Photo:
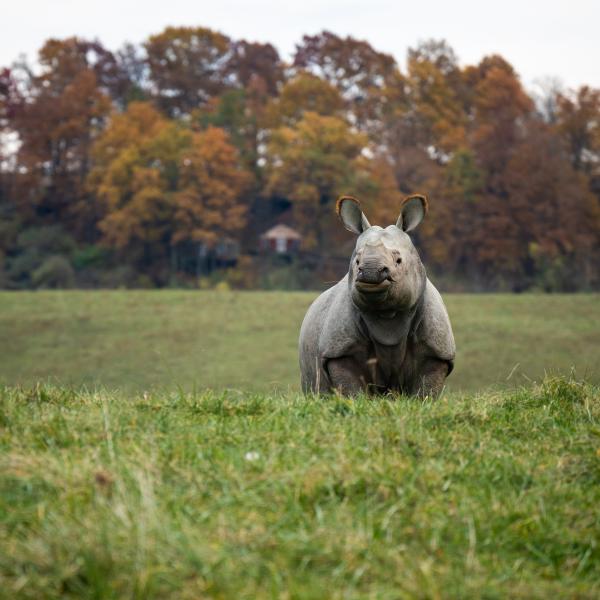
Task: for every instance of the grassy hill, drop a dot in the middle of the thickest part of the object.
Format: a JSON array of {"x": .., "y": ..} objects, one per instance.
[
  {"x": 246, "y": 495},
  {"x": 140, "y": 340}
]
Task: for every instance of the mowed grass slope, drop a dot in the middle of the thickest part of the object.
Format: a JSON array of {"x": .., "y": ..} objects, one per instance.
[
  {"x": 139, "y": 340},
  {"x": 232, "y": 495}
]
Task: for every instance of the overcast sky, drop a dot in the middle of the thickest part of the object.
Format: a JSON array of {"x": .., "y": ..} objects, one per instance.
[{"x": 541, "y": 38}]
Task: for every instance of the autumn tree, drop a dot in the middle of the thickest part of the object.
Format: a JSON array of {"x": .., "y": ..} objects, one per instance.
[
  {"x": 578, "y": 120},
  {"x": 9, "y": 221},
  {"x": 68, "y": 57},
  {"x": 301, "y": 94},
  {"x": 162, "y": 185},
  {"x": 544, "y": 227},
  {"x": 187, "y": 67},
  {"x": 62, "y": 111},
  {"x": 208, "y": 203},
  {"x": 242, "y": 113},
  {"x": 423, "y": 121},
  {"x": 500, "y": 117},
  {"x": 133, "y": 69},
  {"x": 500, "y": 106},
  {"x": 403, "y": 137},
  {"x": 10, "y": 98},
  {"x": 434, "y": 83},
  {"x": 317, "y": 160},
  {"x": 456, "y": 196},
  {"x": 234, "y": 112},
  {"x": 139, "y": 157},
  {"x": 555, "y": 218},
  {"x": 377, "y": 188},
  {"x": 124, "y": 160},
  {"x": 253, "y": 63},
  {"x": 354, "y": 67}
]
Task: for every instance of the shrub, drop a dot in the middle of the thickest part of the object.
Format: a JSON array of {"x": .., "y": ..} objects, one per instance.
[
  {"x": 55, "y": 272},
  {"x": 47, "y": 239},
  {"x": 123, "y": 276},
  {"x": 89, "y": 257}
]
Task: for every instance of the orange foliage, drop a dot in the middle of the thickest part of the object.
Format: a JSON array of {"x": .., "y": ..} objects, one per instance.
[
  {"x": 57, "y": 121},
  {"x": 224, "y": 135},
  {"x": 211, "y": 182},
  {"x": 304, "y": 93},
  {"x": 160, "y": 182}
]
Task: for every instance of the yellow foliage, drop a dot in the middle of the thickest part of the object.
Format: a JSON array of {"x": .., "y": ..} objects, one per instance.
[{"x": 158, "y": 181}]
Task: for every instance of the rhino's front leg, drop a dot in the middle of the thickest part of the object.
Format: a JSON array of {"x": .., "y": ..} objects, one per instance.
[
  {"x": 431, "y": 378},
  {"x": 346, "y": 376}
]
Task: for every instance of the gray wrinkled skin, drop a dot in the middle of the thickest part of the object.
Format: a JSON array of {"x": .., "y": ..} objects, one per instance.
[{"x": 383, "y": 327}]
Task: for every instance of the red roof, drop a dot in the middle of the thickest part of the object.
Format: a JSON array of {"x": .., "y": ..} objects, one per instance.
[{"x": 281, "y": 231}]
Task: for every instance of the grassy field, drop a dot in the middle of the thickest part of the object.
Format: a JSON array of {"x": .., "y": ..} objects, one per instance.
[
  {"x": 124, "y": 475},
  {"x": 143, "y": 340},
  {"x": 242, "y": 495}
]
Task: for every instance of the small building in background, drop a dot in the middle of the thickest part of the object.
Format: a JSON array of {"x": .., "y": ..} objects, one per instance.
[{"x": 280, "y": 239}]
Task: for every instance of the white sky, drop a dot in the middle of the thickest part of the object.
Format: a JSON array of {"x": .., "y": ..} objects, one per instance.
[{"x": 541, "y": 38}]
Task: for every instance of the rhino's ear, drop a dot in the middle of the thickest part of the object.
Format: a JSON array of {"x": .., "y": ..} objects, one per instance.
[
  {"x": 348, "y": 210},
  {"x": 414, "y": 208}
]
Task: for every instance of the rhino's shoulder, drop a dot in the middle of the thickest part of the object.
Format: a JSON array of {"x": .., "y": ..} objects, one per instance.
[
  {"x": 435, "y": 331},
  {"x": 339, "y": 333},
  {"x": 316, "y": 315}
]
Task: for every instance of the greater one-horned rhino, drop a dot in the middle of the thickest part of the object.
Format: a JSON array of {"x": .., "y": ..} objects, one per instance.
[{"x": 384, "y": 326}]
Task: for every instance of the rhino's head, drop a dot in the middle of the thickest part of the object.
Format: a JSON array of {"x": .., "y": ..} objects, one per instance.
[{"x": 386, "y": 272}]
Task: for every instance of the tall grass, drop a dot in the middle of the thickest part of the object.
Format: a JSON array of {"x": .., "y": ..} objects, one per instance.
[{"x": 245, "y": 495}]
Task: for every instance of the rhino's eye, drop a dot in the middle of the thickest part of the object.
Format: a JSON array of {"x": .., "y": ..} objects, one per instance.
[
  {"x": 398, "y": 260},
  {"x": 357, "y": 261}
]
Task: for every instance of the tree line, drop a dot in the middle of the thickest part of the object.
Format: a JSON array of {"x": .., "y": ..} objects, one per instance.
[{"x": 126, "y": 168}]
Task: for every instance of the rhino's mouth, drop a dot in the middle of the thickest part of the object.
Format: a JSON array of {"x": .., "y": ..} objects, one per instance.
[{"x": 365, "y": 286}]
